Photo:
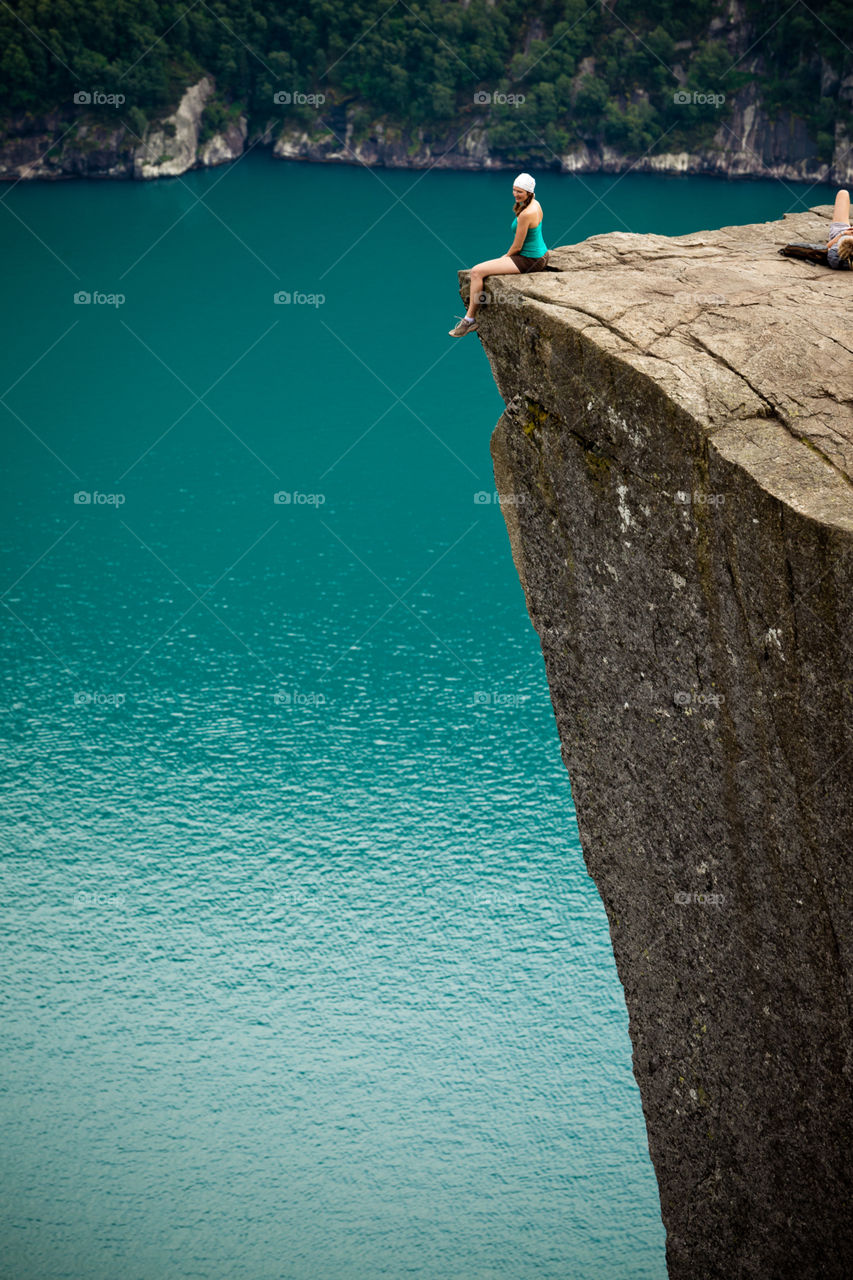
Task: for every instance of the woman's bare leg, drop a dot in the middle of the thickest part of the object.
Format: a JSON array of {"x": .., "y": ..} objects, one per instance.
[
  {"x": 841, "y": 212},
  {"x": 494, "y": 267}
]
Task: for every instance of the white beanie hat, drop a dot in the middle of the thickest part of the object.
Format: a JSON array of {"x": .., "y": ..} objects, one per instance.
[{"x": 525, "y": 181}]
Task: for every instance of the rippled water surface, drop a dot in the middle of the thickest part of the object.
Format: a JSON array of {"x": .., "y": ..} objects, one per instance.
[{"x": 304, "y": 976}]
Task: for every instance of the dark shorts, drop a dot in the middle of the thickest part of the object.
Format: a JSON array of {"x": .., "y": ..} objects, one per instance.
[{"x": 529, "y": 264}]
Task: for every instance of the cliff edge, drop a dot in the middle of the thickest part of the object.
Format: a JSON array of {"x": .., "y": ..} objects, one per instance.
[{"x": 675, "y": 463}]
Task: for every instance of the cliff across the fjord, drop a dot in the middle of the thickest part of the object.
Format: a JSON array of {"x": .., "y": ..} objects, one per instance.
[
  {"x": 84, "y": 143},
  {"x": 675, "y": 464}
]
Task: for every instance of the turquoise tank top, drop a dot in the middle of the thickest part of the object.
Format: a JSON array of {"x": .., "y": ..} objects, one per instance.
[{"x": 534, "y": 244}]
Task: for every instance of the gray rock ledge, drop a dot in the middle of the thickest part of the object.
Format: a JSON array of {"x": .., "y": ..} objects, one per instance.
[{"x": 674, "y": 464}]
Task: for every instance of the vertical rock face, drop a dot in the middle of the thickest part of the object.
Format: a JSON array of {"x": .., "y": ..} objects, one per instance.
[
  {"x": 224, "y": 147},
  {"x": 674, "y": 462},
  {"x": 171, "y": 145}
]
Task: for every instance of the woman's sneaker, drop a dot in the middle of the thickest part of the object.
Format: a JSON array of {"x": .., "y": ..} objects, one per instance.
[{"x": 464, "y": 326}]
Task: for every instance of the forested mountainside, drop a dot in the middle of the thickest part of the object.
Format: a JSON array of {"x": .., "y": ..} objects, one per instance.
[{"x": 639, "y": 76}]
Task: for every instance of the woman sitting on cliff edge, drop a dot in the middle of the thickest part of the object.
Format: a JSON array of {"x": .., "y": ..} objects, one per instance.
[
  {"x": 839, "y": 247},
  {"x": 526, "y": 253}
]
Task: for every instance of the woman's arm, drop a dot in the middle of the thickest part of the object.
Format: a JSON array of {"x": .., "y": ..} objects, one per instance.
[{"x": 524, "y": 220}]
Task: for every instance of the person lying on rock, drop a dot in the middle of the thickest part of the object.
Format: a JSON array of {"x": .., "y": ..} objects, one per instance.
[
  {"x": 526, "y": 253},
  {"x": 839, "y": 246}
]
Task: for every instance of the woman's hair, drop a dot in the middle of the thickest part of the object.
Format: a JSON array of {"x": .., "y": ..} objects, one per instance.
[
  {"x": 845, "y": 248},
  {"x": 522, "y": 204}
]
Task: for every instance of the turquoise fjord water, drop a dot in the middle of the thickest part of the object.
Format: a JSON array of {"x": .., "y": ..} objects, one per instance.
[{"x": 305, "y": 978}]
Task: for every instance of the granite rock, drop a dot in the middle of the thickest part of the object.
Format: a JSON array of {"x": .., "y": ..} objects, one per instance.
[
  {"x": 170, "y": 147},
  {"x": 674, "y": 464}
]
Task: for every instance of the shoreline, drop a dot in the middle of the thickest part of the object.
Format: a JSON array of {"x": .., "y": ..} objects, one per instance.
[
  {"x": 612, "y": 166},
  {"x": 746, "y": 146}
]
